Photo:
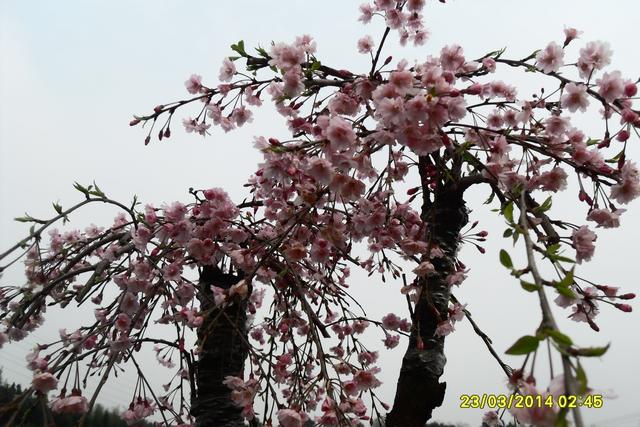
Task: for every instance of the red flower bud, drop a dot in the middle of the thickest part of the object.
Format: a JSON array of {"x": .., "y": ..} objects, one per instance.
[
  {"x": 624, "y": 307},
  {"x": 630, "y": 89},
  {"x": 158, "y": 108},
  {"x": 623, "y": 135},
  {"x": 147, "y": 140},
  {"x": 627, "y": 296}
]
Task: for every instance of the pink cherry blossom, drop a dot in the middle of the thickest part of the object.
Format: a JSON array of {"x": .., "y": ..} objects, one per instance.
[
  {"x": 366, "y": 11},
  {"x": 193, "y": 84},
  {"x": 424, "y": 268},
  {"x": 286, "y": 56},
  {"x": 575, "y": 97},
  {"x": 289, "y": 418},
  {"x": 241, "y": 115},
  {"x": 365, "y": 44},
  {"x": 444, "y": 328},
  {"x": 452, "y": 57},
  {"x": 391, "y": 322},
  {"x": 391, "y": 341},
  {"x": 605, "y": 218},
  {"x": 44, "y": 382},
  {"x": 629, "y": 189},
  {"x": 74, "y": 404},
  {"x": 570, "y": 34},
  {"x": 610, "y": 86},
  {"x": 227, "y": 70},
  {"x": 550, "y": 59},
  {"x": 366, "y": 379},
  {"x": 594, "y": 56},
  {"x": 492, "y": 419},
  {"x": 340, "y": 134},
  {"x": 583, "y": 239}
]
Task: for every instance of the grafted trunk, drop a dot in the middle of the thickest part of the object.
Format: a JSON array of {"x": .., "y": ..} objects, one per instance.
[
  {"x": 222, "y": 337},
  {"x": 419, "y": 389}
]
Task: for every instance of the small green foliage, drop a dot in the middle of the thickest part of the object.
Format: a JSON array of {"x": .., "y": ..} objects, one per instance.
[
  {"x": 557, "y": 336},
  {"x": 524, "y": 345},
  {"x": 529, "y": 287},
  {"x": 590, "y": 351},
  {"x": 239, "y": 48},
  {"x": 505, "y": 259}
]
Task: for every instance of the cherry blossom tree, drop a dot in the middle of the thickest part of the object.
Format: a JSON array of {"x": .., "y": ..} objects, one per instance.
[{"x": 247, "y": 301}]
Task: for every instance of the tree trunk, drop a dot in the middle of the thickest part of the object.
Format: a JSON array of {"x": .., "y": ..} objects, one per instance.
[
  {"x": 222, "y": 338},
  {"x": 419, "y": 390}
]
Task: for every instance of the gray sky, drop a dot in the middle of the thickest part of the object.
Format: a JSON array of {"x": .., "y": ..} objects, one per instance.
[{"x": 73, "y": 73}]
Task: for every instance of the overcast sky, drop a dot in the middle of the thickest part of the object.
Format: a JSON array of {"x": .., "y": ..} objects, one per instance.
[{"x": 73, "y": 73}]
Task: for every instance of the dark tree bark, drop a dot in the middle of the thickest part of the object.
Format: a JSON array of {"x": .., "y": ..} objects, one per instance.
[
  {"x": 222, "y": 338},
  {"x": 419, "y": 390}
]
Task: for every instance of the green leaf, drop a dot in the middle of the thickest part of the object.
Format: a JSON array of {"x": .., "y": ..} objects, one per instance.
[
  {"x": 565, "y": 291},
  {"x": 239, "y": 47},
  {"x": 25, "y": 218},
  {"x": 490, "y": 199},
  {"x": 529, "y": 287},
  {"x": 581, "y": 376},
  {"x": 58, "y": 208},
  {"x": 315, "y": 65},
  {"x": 96, "y": 191},
  {"x": 568, "y": 279},
  {"x": 508, "y": 212},
  {"x": 590, "y": 351},
  {"x": 262, "y": 52},
  {"x": 81, "y": 189},
  {"x": 505, "y": 259},
  {"x": 559, "y": 337},
  {"x": 524, "y": 345},
  {"x": 591, "y": 142},
  {"x": 545, "y": 206},
  {"x": 507, "y": 233}
]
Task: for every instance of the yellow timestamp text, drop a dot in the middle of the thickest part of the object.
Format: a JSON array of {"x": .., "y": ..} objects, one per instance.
[{"x": 503, "y": 401}]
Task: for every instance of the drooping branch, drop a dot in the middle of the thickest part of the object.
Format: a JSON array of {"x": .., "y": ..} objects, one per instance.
[{"x": 548, "y": 321}]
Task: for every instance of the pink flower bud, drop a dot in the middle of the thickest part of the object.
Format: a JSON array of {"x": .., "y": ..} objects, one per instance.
[
  {"x": 158, "y": 108},
  {"x": 474, "y": 89},
  {"x": 629, "y": 116},
  {"x": 627, "y": 296},
  {"x": 134, "y": 122}
]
